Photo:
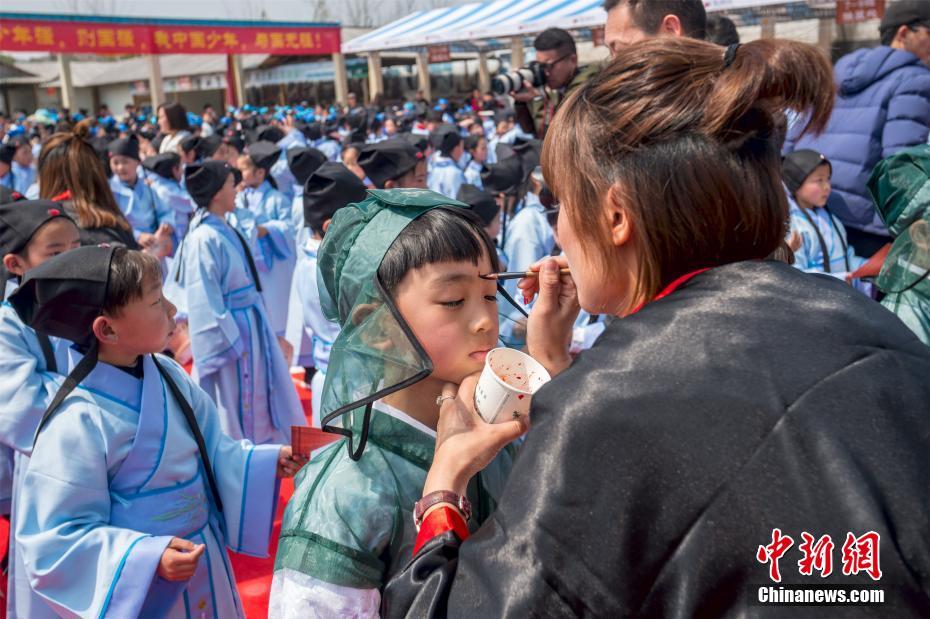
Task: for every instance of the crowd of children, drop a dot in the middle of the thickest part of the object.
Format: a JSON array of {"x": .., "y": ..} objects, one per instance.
[{"x": 345, "y": 247}]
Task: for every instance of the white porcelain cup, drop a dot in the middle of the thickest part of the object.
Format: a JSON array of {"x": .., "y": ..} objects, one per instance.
[{"x": 507, "y": 384}]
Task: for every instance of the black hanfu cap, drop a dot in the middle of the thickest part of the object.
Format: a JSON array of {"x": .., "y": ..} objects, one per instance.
[
  {"x": 303, "y": 162},
  {"x": 204, "y": 180},
  {"x": 388, "y": 160},
  {"x": 192, "y": 143},
  {"x": 19, "y": 221},
  {"x": 267, "y": 133},
  {"x": 125, "y": 147},
  {"x": 445, "y": 138},
  {"x": 481, "y": 202},
  {"x": 505, "y": 176},
  {"x": 328, "y": 189},
  {"x": 7, "y": 152},
  {"x": 264, "y": 154},
  {"x": 234, "y": 138},
  {"x": 8, "y": 195},
  {"x": 209, "y": 145},
  {"x": 418, "y": 141},
  {"x": 798, "y": 165},
  {"x": 65, "y": 294},
  {"x": 162, "y": 164}
]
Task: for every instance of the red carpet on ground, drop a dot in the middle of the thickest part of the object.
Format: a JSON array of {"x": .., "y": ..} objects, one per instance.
[{"x": 253, "y": 575}]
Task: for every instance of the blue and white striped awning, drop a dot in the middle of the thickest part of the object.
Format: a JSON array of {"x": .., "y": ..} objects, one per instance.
[{"x": 478, "y": 22}]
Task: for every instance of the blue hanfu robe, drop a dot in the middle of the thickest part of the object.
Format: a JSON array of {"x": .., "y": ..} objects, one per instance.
[
  {"x": 115, "y": 475},
  {"x": 276, "y": 253},
  {"x": 529, "y": 239},
  {"x": 26, "y": 389},
  {"x": 237, "y": 358},
  {"x": 23, "y": 177},
  {"x": 329, "y": 147},
  {"x": 283, "y": 177},
  {"x": 473, "y": 174},
  {"x": 446, "y": 176},
  {"x": 144, "y": 211},
  {"x": 280, "y": 171},
  {"x": 170, "y": 193},
  {"x": 308, "y": 330},
  {"x": 810, "y": 256}
]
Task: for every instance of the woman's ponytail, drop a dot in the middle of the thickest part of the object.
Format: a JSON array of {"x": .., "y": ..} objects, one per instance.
[{"x": 765, "y": 78}]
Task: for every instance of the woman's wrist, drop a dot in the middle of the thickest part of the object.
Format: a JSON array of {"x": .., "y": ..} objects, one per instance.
[
  {"x": 439, "y": 478},
  {"x": 554, "y": 362}
]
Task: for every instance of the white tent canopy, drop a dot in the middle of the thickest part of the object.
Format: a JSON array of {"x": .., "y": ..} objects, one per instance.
[{"x": 478, "y": 23}]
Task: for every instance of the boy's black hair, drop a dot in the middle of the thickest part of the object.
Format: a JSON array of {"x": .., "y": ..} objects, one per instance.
[
  {"x": 444, "y": 234},
  {"x": 130, "y": 273}
]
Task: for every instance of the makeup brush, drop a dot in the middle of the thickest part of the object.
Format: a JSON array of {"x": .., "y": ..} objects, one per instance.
[{"x": 517, "y": 274}]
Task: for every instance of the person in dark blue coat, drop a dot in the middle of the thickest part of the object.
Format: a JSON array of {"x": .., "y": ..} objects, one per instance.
[{"x": 882, "y": 107}]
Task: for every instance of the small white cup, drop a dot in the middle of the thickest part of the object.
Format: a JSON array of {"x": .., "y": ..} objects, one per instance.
[{"x": 507, "y": 384}]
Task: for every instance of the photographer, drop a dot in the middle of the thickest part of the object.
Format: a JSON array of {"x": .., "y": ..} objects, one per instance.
[{"x": 557, "y": 63}]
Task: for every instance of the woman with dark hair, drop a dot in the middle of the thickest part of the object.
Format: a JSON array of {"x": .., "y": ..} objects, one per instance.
[
  {"x": 70, "y": 172},
  {"x": 736, "y": 408},
  {"x": 172, "y": 122}
]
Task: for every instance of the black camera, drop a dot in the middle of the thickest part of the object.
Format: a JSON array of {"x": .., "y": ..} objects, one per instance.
[{"x": 515, "y": 81}]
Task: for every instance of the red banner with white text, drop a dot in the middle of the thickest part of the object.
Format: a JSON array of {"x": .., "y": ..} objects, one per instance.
[{"x": 75, "y": 37}]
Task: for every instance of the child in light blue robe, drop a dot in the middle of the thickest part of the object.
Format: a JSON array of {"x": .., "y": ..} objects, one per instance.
[
  {"x": 135, "y": 198},
  {"x": 30, "y": 233},
  {"x": 135, "y": 519},
  {"x": 476, "y": 148},
  {"x": 446, "y": 176},
  {"x": 529, "y": 239},
  {"x": 237, "y": 358},
  {"x": 301, "y": 162},
  {"x": 164, "y": 178},
  {"x": 820, "y": 241},
  {"x": 331, "y": 187},
  {"x": 269, "y": 219}
]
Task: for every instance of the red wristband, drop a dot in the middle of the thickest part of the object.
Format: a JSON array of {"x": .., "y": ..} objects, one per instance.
[{"x": 439, "y": 521}]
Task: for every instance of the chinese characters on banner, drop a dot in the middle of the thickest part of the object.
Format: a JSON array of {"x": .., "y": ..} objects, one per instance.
[
  {"x": 856, "y": 11},
  {"x": 126, "y": 38},
  {"x": 858, "y": 554},
  {"x": 439, "y": 53}
]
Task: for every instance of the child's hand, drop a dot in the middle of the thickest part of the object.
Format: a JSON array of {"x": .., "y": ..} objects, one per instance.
[
  {"x": 179, "y": 561},
  {"x": 262, "y": 232},
  {"x": 288, "y": 463},
  {"x": 147, "y": 240}
]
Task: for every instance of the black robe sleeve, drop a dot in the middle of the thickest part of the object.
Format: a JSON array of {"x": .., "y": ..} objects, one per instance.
[{"x": 664, "y": 457}]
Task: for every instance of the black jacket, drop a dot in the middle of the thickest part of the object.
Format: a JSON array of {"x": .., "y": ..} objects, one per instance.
[{"x": 755, "y": 397}]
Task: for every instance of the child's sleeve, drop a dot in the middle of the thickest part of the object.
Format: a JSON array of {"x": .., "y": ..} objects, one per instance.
[
  {"x": 245, "y": 473},
  {"x": 75, "y": 559},
  {"x": 26, "y": 389},
  {"x": 164, "y": 213},
  {"x": 295, "y": 595},
  {"x": 214, "y": 334},
  {"x": 296, "y": 328},
  {"x": 337, "y": 529}
]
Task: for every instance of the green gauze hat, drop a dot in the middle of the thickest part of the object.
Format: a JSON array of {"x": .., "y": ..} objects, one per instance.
[
  {"x": 376, "y": 353},
  {"x": 900, "y": 187}
]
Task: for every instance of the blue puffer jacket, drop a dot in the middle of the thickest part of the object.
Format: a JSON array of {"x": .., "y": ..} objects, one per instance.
[{"x": 882, "y": 106}]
